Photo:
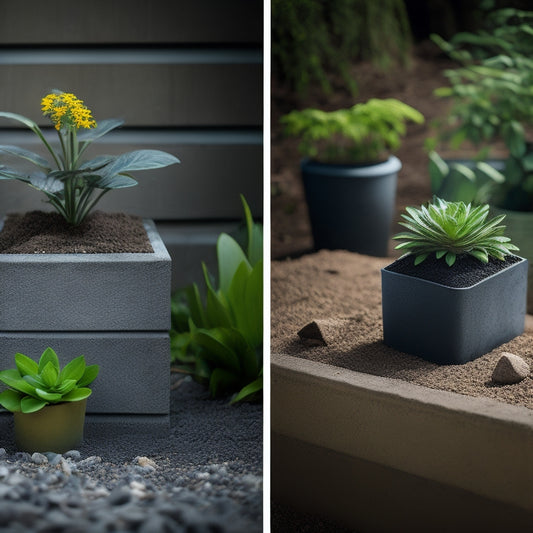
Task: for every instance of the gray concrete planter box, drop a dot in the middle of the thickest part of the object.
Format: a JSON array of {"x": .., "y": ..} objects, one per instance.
[
  {"x": 112, "y": 308},
  {"x": 379, "y": 454},
  {"x": 448, "y": 325}
]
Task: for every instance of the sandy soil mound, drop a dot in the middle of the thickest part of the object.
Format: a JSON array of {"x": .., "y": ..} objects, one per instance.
[{"x": 342, "y": 291}]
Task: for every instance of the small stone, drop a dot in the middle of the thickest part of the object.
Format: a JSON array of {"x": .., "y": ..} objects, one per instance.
[
  {"x": 39, "y": 458},
  {"x": 2, "y": 452},
  {"x": 322, "y": 332},
  {"x": 73, "y": 454},
  {"x": 120, "y": 495},
  {"x": 65, "y": 467},
  {"x": 510, "y": 369},
  {"x": 145, "y": 461}
]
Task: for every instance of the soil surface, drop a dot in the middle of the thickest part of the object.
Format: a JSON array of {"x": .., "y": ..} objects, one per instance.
[
  {"x": 342, "y": 291},
  {"x": 37, "y": 232}
]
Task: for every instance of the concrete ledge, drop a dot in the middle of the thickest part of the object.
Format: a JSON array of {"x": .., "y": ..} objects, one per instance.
[
  {"x": 82, "y": 292},
  {"x": 371, "y": 498},
  {"x": 134, "y": 373},
  {"x": 478, "y": 445}
]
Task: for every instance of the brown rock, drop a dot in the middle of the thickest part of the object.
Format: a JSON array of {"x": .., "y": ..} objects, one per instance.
[
  {"x": 321, "y": 332},
  {"x": 509, "y": 369}
]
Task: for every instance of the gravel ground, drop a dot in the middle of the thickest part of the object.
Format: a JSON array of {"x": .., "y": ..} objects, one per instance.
[{"x": 205, "y": 476}]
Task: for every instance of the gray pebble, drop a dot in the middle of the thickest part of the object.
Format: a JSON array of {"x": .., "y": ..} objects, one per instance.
[
  {"x": 119, "y": 496},
  {"x": 73, "y": 454},
  {"x": 39, "y": 458}
]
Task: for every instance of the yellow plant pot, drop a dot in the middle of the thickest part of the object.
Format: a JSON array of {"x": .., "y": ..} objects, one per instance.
[{"x": 54, "y": 428}]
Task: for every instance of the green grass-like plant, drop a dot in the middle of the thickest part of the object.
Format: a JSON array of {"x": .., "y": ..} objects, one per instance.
[
  {"x": 450, "y": 229},
  {"x": 33, "y": 385},
  {"x": 364, "y": 133},
  {"x": 219, "y": 342}
]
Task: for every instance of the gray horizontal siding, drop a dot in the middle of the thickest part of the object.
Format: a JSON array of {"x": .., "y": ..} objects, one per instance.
[
  {"x": 130, "y": 21},
  {"x": 142, "y": 94}
]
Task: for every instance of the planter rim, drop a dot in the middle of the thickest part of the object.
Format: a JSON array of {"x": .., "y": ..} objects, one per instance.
[
  {"x": 447, "y": 287},
  {"x": 159, "y": 252},
  {"x": 392, "y": 165}
]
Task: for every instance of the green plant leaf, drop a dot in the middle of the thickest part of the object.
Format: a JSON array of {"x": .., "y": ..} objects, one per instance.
[
  {"x": 438, "y": 170},
  {"x": 13, "y": 379},
  {"x": 138, "y": 160},
  {"x": 74, "y": 370},
  {"x": 117, "y": 181},
  {"x": 66, "y": 386},
  {"x": 49, "y": 356},
  {"x": 450, "y": 258},
  {"x": 217, "y": 311},
  {"x": 76, "y": 395},
  {"x": 26, "y": 155},
  {"x": 25, "y": 365},
  {"x": 230, "y": 255},
  {"x": 195, "y": 306},
  {"x": 49, "y": 374},
  {"x": 48, "y": 396},
  {"x": 30, "y": 405},
  {"x": 222, "y": 381},
  {"x": 10, "y": 400},
  {"x": 248, "y": 391},
  {"x": 49, "y": 184},
  {"x": 89, "y": 375},
  {"x": 219, "y": 346},
  {"x": 254, "y": 250}
]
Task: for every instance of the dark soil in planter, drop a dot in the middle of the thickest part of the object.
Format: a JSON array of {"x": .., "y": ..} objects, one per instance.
[
  {"x": 37, "y": 232},
  {"x": 466, "y": 271},
  {"x": 342, "y": 290}
]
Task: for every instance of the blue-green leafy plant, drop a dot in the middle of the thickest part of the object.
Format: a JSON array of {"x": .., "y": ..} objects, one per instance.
[
  {"x": 33, "y": 385},
  {"x": 219, "y": 342},
  {"x": 364, "y": 133},
  {"x": 450, "y": 229},
  {"x": 474, "y": 183},
  {"x": 491, "y": 92},
  {"x": 72, "y": 185}
]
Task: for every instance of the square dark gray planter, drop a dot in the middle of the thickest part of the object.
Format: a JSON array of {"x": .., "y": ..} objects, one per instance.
[
  {"x": 450, "y": 325},
  {"x": 112, "y": 308}
]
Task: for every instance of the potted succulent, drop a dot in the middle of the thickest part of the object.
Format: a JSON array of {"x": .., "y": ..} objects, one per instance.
[
  {"x": 459, "y": 292},
  {"x": 348, "y": 173},
  {"x": 113, "y": 305},
  {"x": 492, "y": 101},
  {"x": 48, "y": 402}
]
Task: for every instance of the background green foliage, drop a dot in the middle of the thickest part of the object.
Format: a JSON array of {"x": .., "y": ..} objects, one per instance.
[
  {"x": 219, "y": 342},
  {"x": 311, "y": 38},
  {"x": 492, "y": 98},
  {"x": 364, "y": 133}
]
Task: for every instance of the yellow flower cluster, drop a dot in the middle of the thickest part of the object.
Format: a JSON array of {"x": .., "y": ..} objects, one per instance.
[{"x": 65, "y": 110}]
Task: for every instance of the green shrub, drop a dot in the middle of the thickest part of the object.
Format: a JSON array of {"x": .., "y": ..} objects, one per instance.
[
  {"x": 364, "y": 133},
  {"x": 449, "y": 229},
  {"x": 311, "y": 39},
  {"x": 219, "y": 342}
]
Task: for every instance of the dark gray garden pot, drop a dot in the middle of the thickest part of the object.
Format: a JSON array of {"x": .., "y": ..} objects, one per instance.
[
  {"x": 112, "y": 308},
  {"x": 351, "y": 207},
  {"x": 447, "y": 325}
]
